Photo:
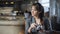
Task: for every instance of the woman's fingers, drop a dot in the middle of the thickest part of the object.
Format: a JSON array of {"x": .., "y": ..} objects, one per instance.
[{"x": 33, "y": 25}]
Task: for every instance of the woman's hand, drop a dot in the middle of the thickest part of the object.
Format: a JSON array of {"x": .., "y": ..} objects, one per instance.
[{"x": 33, "y": 25}]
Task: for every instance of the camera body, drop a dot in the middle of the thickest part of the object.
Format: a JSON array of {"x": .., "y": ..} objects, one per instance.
[{"x": 38, "y": 28}]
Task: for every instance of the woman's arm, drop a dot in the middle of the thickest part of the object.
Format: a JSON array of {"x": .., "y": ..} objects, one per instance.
[
  {"x": 29, "y": 30},
  {"x": 33, "y": 25}
]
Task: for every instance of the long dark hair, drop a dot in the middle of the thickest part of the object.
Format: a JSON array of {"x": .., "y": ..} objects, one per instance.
[{"x": 39, "y": 8}]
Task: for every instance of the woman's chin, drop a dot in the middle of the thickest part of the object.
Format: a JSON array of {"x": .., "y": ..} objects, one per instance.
[{"x": 32, "y": 15}]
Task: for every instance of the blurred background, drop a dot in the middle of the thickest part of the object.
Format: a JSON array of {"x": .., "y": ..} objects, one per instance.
[{"x": 12, "y": 15}]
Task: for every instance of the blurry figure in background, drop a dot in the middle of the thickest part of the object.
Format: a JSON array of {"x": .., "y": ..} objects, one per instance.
[
  {"x": 38, "y": 13},
  {"x": 46, "y": 17},
  {"x": 19, "y": 13},
  {"x": 28, "y": 20},
  {"x": 47, "y": 14}
]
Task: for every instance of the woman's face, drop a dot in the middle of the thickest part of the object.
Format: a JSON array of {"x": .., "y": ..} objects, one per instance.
[{"x": 34, "y": 12}]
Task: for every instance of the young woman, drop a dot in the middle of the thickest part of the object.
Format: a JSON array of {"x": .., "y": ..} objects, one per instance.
[{"x": 38, "y": 13}]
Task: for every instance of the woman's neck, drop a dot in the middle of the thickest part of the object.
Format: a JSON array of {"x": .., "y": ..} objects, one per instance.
[{"x": 38, "y": 21}]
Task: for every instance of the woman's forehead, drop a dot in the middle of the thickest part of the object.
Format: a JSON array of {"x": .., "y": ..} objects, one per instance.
[{"x": 33, "y": 7}]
